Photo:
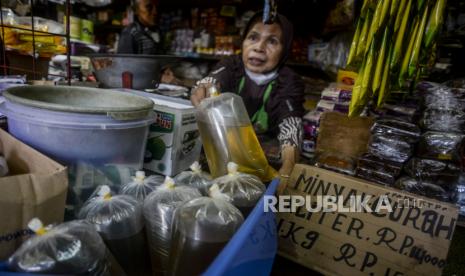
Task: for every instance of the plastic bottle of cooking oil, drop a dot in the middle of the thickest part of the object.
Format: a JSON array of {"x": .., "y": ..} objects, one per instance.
[{"x": 228, "y": 136}]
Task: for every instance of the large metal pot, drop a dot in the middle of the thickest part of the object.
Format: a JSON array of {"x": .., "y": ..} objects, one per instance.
[{"x": 144, "y": 69}]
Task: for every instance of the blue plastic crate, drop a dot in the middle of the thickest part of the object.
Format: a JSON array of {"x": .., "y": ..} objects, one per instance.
[{"x": 251, "y": 251}]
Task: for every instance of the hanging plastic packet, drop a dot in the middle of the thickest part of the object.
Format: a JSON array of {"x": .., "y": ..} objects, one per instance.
[
  {"x": 3, "y": 167},
  {"x": 141, "y": 186},
  {"x": 195, "y": 178},
  {"x": 119, "y": 221},
  {"x": 70, "y": 248},
  {"x": 159, "y": 208},
  {"x": 244, "y": 189},
  {"x": 202, "y": 227}
]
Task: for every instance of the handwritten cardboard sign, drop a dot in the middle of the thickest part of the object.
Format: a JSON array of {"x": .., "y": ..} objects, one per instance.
[{"x": 413, "y": 239}]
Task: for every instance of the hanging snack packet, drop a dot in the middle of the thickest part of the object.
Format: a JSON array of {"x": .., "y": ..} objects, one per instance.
[
  {"x": 70, "y": 248},
  {"x": 195, "y": 178},
  {"x": 159, "y": 208},
  {"x": 244, "y": 189},
  {"x": 141, "y": 186},
  {"x": 202, "y": 227},
  {"x": 119, "y": 221}
]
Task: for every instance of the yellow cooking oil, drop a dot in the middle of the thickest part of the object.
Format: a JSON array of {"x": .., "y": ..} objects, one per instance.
[{"x": 239, "y": 145}]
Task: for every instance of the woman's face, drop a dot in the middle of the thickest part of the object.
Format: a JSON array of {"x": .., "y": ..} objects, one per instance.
[
  {"x": 262, "y": 48},
  {"x": 147, "y": 12}
]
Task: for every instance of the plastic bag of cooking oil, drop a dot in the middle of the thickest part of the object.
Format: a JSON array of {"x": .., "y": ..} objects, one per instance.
[
  {"x": 202, "y": 227},
  {"x": 159, "y": 209},
  {"x": 195, "y": 178},
  {"x": 120, "y": 222},
  {"x": 70, "y": 248},
  {"x": 229, "y": 136},
  {"x": 141, "y": 186},
  {"x": 244, "y": 189}
]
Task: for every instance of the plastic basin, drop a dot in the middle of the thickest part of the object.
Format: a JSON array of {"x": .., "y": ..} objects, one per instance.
[{"x": 99, "y": 134}]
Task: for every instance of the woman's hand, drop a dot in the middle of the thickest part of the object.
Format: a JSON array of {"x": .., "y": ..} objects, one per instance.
[
  {"x": 289, "y": 156},
  {"x": 200, "y": 93}
]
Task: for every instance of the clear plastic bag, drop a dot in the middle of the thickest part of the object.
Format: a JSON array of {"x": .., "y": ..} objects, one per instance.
[
  {"x": 444, "y": 120},
  {"x": 406, "y": 131},
  {"x": 441, "y": 146},
  {"x": 228, "y": 136},
  {"x": 445, "y": 98},
  {"x": 372, "y": 168},
  {"x": 441, "y": 173},
  {"x": 195, "y": 178},
  {"x": 338, "y": 163},
  {"x": 70, "y": 248},
  {"x": 424, "y": 188},
  {"x": 202, "y": 227},
  {"x": 141, "y": 186},
  {"x": 119, "y": 221},
  {"x": 244, "y": 189},
  {"x": 390, "y": 147},
  {"x": 159, "y": 208}
]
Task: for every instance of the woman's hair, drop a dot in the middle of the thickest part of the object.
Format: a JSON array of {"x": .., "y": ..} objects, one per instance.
[{"x": 286, "y": 28}]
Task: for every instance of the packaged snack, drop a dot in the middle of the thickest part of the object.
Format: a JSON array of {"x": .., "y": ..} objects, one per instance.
[
  {"x": 424, "y": 188},
  {"x": 374, "y": 169},
  {"x": 445, "y": 98},
  {"x": 70, "y": 248},
  {"x": 202, "y": 227},
  {"x": 406, "y": 131},
  {"x": 313, "y": 117},
  {"x": 391, "y": 147},
  {"x": 195, "y": 178},
  {"x": 141, "y": 186},
  {"x": 119, "y": 221},
  {"x": 440, "y": 146},
  {"x": 310, "y": 130},
  {"x": 461, "y": 199},
  {"x": 403, "y": 112},
  {"x": 159, "y": 208},
  {"x": 243, "y": 189},
  {"x": 444, "y": 120},
  {"x": 324, "y": 106},
  {"x": 336, "y": 94},
  {"x": 438, "y": 172}
]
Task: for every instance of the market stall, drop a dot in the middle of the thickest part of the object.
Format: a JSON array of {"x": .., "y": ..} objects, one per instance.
[{"x": 232, "y": 137}]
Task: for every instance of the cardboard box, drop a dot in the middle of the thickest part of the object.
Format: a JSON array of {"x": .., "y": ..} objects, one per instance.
[
  {"x": 35, "y": 187},
  {"x": 414, "y": 239},
  {"x": 174, "y": 139}
]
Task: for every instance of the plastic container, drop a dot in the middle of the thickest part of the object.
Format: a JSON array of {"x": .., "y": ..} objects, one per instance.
[
  {"x": 228, "y": 136},
  {"x": 251, "y": 251},
  {"x": 97, "y": 133},
  {"x": 119, "y": 220}
]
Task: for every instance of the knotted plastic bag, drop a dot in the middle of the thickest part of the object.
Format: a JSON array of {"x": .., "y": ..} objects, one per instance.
[
  {"x": 202, "y": 227},
  {"x": 71, "y": 248},
  {"x": 244, "y": 189},
  {"x": 159, "y": 208},
  {"x": 141, "y": 186},
  {"x": 195, "y": 178},
  {"x": 119, "y": 221}
]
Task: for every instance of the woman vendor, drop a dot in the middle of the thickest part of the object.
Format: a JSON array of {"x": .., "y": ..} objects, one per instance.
[{"x": 272, "y": 92}]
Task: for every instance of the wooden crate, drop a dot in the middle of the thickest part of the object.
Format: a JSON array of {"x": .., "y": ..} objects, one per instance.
[{"x": 412, "y": 240}]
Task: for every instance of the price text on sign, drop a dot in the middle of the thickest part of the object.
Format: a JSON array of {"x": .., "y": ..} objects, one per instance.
[{"x": 413, "y": 239}]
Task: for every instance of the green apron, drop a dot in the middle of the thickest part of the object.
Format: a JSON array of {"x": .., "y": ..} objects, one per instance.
[{"x": 260, "y": 118}]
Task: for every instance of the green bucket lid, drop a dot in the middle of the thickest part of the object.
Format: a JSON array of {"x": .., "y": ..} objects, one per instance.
[{"x": 118, "y": 105}]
